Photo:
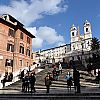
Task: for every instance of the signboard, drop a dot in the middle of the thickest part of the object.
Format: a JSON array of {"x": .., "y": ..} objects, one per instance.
[{"x": 1, "y": 57}]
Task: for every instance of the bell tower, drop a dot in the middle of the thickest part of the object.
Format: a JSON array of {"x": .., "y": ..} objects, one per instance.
[{"x": 74, "y": 37}]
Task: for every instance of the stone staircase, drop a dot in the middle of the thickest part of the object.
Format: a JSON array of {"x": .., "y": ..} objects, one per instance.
[
  {"x": 85, "y": 81},
  {"x": 71, "y": 96},
  {"x": 58, "y": 89},
  {"x": 40, "y": 79}
]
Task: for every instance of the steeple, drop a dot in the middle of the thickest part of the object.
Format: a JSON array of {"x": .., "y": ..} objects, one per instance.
[{"x": 86, "y": 23}]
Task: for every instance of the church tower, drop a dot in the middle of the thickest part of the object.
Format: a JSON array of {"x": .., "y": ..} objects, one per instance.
[
  {"x": 87, "y": 35},
  {"x": 74, "y": 38}
]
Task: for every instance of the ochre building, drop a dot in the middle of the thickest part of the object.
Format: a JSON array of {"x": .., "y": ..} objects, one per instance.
[{"x": 15, "y": 45}]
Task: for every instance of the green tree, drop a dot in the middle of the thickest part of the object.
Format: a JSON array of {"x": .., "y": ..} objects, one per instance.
[{"x": 95, "y": 44}]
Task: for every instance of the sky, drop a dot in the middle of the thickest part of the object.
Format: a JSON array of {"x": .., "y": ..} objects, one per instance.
[{"x": 50, "y": 20}]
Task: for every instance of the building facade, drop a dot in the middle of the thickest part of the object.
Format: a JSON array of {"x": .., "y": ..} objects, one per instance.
[
  {"x": 15, "y": 45},
  {"x": 53, "y": 55},
  {"x": 81, "y": 42}
]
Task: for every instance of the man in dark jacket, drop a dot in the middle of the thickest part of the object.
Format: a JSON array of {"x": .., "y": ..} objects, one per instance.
[
  {"x": 27, "y": 81},
  {"x": 48, "y": 80},
  {"x": 32, "y": 82},
  {"x": 23, "y": 84},
  {"x": 76, "y": 79}
]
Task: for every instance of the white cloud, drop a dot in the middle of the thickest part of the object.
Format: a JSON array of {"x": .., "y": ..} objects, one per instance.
[
  {"x": 36, "y": 9},
  {"x": 37, "y": 42},
  {"x": 29, "y": 11},
  {"x": 49, "y": 35},
  {"x": 46, "y": 34}
]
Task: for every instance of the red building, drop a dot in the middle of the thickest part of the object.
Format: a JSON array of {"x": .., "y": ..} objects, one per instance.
[{"x": 15, "y": 45}]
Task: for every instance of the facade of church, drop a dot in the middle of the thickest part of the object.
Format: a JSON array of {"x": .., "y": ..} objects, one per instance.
[
  {"x": 81, "y": 42},
  {"x": 78, "y": 44}
]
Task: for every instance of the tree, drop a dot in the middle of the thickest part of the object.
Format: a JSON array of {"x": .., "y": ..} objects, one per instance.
[
  {"x": 95, "y": 56},
  {"x": 95, "y": 44}
]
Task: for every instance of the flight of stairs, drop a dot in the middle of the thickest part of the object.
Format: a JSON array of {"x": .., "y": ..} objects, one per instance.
[{"x": 85, "y": 80}]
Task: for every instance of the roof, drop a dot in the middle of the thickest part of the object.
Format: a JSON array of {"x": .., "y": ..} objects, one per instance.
[
  {"x": 55, "y": 47},
  {"x": 13, "y": 19},
  {"x": 15, "y": 27}
]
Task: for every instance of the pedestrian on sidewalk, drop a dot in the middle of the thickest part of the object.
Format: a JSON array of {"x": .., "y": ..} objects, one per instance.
[
  {"x": 32, "y": 82},
  {"x": 69, "y": 81},
  {"x": 48, "y": 81}
]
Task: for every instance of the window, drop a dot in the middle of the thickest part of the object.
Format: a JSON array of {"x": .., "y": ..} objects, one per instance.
[
  {"x": 88, "y": 43},
  {"x": 28, "y": 52},
  {"x": 21, "y": 50},
  {"x": 9, "y": 62},
  {"x": 28, "y": 40},
  {"x": 21, "y": 35},
  {"x": 32, "y": 56},
  {"x": 10, "y": 47},
  {"x": 72, "y": 33},
  {"x": 73, "y": 47},
  {"x": 20, "y": 62},
  {"x": 27, "y": 64},
  {"x": 11, "y": 33},
  {"x": 86, "y": 29}
]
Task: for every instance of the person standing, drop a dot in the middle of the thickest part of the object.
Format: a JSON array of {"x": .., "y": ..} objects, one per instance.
[
  {"x": 60, "y": 68},
  {"x": 76, "y": 79},
  {"x": 21, "y": 74},
  {"x": 69, "y": 80},
  {"x": 3, "y": 81},
  {"x": 27, "y": 81},
  {"x": 32, "y": 82},
  {"x": 47, "y": 82},
  {"x": 54, "y": 72},
  {"x": 23, "y": 84}
]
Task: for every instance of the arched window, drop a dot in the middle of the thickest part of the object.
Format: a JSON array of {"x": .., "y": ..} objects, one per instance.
[
  {"x": 72, "y": 33},
  {"x": 86, "y": 29}
]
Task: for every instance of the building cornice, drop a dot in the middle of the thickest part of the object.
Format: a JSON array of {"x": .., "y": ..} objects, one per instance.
[
  {"x": 55, "y": 47},
  {"x": 16, "y": 27}
]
